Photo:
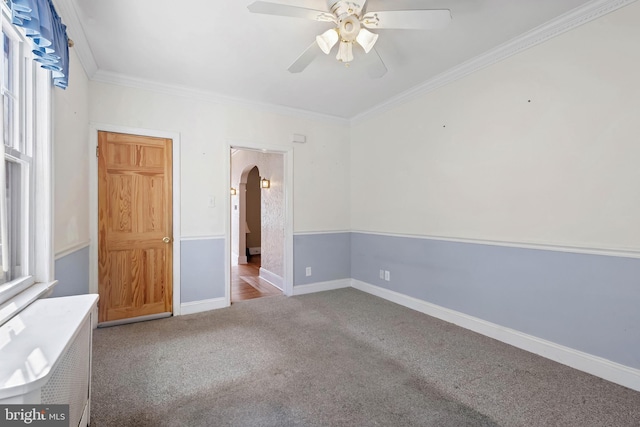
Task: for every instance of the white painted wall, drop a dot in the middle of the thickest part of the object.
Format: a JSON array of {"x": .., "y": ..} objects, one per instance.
[
  {"x": 70, "y": 152},
  {"x": 475, "y": 159},
  {"x": 320, "y": 166}
]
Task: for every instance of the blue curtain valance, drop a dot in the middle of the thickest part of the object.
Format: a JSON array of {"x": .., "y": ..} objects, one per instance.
[{"x": 43, "y": 25}]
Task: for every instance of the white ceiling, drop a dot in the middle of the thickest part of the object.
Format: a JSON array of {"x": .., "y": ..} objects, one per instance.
[{"x": 219, "y": 47}]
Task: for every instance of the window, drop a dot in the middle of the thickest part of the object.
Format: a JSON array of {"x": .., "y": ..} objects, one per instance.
[{"x": 24, "y": 131}]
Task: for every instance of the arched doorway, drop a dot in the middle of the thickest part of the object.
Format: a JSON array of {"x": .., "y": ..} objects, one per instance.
[
  {"x": 247, "y": 195},
  {"x": 253, "y": 217},
  {"x": 257, "y": 225}
]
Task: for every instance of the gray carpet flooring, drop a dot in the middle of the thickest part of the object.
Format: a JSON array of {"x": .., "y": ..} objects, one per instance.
[{"x": 337, "y": 358}]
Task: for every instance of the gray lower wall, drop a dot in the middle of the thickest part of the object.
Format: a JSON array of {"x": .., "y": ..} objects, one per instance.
[
  {"x": 72, "y": 273},
  {"x": 201, "y": 269},
  {"x": 328, "y": 255},
  {"x": 586, "y": 302}
]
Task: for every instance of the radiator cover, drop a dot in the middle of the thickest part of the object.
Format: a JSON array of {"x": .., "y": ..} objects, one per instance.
[{"x": 48, "y": 355}]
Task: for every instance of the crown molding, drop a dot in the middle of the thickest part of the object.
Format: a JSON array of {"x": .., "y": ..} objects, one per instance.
[
  {"x": 67, "y": 10},
  {"x": 570, "y": 20},
  {"x": 207, "y": 96},
  {"x": 70, "y": 18}
]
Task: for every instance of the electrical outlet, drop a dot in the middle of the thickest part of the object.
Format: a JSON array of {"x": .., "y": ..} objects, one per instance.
[
  {"x": 308, "y": 271},
  {"x": 387, "y": 275},
  {"x": 382, "y": 274}
]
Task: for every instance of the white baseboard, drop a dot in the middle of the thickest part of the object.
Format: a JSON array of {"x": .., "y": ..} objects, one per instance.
[
  {"x": 272, "y": 278},
  {"x": 203, "y": 305},
  {"x": 594, "y": 365},
  {"x": 84, "y": 419},
  {"x": 321, "y": 286}
]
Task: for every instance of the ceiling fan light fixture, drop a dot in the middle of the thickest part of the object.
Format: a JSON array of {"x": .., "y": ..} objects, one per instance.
[
  {"x": 327, "y": 40},
  {"x": 345, "y": 52},
  {"x": 352, "y": 22},
  {"x": 349, "y": 28},
  {"x": 366, "y": 39}
]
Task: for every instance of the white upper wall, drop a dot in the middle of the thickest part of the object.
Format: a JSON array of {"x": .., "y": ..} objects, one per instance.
[
  {"x": 70, "y": 156},
  {"x": 321, "y": 202},
  {"x": 475, "y": 159}
]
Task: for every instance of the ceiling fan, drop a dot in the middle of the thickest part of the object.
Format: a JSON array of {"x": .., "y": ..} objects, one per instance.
[{"x": 352, "y": 21}]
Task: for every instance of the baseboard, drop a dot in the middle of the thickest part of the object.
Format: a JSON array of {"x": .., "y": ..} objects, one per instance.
[
  {"x": 203, "y": 305},
  {"x": 594, "y": 365},
  {"x": 272, "y": 278},
  {"x": 321, "y": 286},
  {"x": 84, "y": 419}
]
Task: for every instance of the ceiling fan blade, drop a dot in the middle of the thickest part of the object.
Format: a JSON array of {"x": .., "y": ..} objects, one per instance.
[
  {"x": 377, "y": 69},
  {"x": 362, "y": 4},
  {"x": 305, "y": 59},
  {"x": 269, "y": 8},
  {"x": 407, "y": 19}
]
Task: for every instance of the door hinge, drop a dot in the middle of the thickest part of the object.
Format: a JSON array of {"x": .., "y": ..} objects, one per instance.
[{"x": 97, "y": 150}]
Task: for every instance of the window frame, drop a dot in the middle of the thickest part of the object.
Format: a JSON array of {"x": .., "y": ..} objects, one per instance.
[{"x": 31, "y": 148}]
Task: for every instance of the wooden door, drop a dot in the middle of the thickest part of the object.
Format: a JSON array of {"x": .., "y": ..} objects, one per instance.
[{"x": 135, "y": 254}]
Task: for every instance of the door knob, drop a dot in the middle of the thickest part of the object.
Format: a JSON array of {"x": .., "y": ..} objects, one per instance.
[{"x": 166, "y": 239}]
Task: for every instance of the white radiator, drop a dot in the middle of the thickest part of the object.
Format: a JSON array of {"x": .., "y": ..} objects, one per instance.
[{"x": 48, "y": 355}]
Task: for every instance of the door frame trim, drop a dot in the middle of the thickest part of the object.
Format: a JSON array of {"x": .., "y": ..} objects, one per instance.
[
  {"x": 94, "y": 128},
  {"x": 287, "y": 154}
]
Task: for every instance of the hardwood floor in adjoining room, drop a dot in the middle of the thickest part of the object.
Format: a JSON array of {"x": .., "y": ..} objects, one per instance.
[{"x": 246, "y": 282}]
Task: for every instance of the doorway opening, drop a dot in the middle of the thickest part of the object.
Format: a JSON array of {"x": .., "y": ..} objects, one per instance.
[{"x": 257, "y": 224}]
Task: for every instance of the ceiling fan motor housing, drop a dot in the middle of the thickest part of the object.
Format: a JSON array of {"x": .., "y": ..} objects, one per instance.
[{"x": 342, "y": 9}]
